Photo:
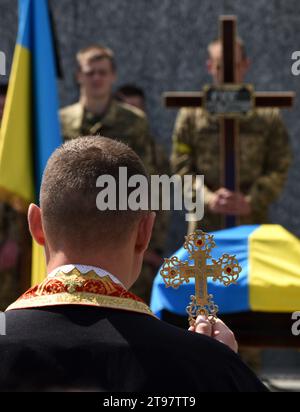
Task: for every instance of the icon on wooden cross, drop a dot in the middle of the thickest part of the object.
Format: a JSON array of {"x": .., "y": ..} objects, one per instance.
[{"x": 175, "y": 272}]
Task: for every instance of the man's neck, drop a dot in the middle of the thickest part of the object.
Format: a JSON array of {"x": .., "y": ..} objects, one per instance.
[
  {"x": 111, "y": 265},
  {"x": 96, "y": 106}
]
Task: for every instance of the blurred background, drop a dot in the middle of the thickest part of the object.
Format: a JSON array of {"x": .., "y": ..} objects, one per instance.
[{"x": 160, "y": 45}]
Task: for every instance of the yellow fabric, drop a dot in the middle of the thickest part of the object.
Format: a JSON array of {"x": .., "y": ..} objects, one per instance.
[
  {"x": 16, "y": 157},
  {"x": 274, "y": 270},
  {"x": 38, "y": 269},
  {"x": 16, "y": 163},
  {"x": 182, "y": 148}
]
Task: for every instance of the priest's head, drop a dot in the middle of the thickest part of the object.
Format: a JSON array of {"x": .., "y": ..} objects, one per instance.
[
  {"x": 214, "y": 61},
  {"x": 70, "y": 225}
]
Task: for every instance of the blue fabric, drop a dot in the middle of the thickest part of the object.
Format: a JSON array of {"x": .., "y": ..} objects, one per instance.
[
  {"x": 34, "y": 15},
  {"x": 47, "y": 128},
  {"x": 231, "y": 299},
  {"x": 24, "y": 32}
]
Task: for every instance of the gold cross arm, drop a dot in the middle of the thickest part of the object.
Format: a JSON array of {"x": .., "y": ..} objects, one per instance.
[{"x": 175, "y": 272}]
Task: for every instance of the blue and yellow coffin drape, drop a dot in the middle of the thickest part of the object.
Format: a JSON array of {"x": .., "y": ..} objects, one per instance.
[
  {"x": 30, "y": 128},
  {"x": 269, "y": 282}
]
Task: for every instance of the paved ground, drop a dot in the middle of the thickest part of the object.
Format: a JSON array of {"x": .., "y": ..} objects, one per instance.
[
  {"x": 281, "y": 369},
  {"x": 283, "y": 384}
]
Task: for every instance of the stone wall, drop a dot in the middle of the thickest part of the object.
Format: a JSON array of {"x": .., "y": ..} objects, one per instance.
[{"x": 161, "y": 45}]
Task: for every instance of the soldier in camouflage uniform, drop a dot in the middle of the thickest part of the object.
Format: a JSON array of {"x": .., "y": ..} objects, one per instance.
[
  {"x": 135, "y": 96},
  {"x": 120, "y": 121},
  {"x": 264, "y": 156},
  {"x": 264, "y": 162},
  {"x": 97, "y": 112}
]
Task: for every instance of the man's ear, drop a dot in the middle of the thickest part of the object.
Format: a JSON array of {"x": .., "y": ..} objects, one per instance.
[
  {"x": 145, "y": 232},
  {"x": 35, "y": 224}
]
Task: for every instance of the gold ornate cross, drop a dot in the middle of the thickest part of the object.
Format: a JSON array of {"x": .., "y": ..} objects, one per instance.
[{"x": 176, "y": 272}]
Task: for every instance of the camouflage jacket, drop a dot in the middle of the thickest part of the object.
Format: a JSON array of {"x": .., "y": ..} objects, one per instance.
[
  {"x": 264, "y": 158},
  {"x": 121, "y": 121}
]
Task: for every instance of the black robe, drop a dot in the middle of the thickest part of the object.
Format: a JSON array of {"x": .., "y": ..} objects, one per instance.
[{"x": 89, "y": 348}]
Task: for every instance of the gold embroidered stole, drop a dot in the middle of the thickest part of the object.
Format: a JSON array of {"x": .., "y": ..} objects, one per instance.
[{"x": 76, "y": 288}]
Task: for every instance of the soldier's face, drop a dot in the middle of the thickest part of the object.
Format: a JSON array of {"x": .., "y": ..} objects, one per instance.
[
  {"x": 97, "y": 78},
  {"x": 2, "y": 103},
  {"x": 214, "y": 64}
]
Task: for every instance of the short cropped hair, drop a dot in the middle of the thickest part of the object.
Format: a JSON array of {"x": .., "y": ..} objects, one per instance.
[
  {"x": 94, "y": 53},
  {"x": 240, "y": 42},
  {"x": 68, "y": 193},
  {"x": 130, "y": 90}
]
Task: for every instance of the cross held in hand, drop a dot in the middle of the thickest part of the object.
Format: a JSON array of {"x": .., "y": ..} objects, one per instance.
[{"x": 175, "y": 272}]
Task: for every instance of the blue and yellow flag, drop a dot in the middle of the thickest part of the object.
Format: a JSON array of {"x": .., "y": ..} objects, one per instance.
[
  {"x": 30, "y": 127},
  {"x": 269, "y": 282}
]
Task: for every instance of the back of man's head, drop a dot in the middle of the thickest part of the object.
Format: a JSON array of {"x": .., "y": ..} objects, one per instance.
[
  {"x": 131, "y": 94},
  {"x": 215, "y": 47},
  {"x": 68, "y": 194},
  {"x": 129, "y": 90}
]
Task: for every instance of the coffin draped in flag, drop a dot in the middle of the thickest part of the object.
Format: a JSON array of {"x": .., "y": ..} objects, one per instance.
[
  {"x": 30, "y": 128},
  {"x": 269, "y": 282}
]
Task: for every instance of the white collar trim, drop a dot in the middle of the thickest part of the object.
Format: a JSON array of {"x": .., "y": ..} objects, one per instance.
[{"x": 84, "y": 269}]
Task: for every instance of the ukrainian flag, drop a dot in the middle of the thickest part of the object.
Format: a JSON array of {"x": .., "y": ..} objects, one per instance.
[
  {"x": 269, "y": 282},
  {"x": 30, "y": 127}
]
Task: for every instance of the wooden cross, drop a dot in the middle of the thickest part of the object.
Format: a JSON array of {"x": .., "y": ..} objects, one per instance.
[
  {"x": 176, "y": 272},
  {"x": 229, "y": 126}
]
